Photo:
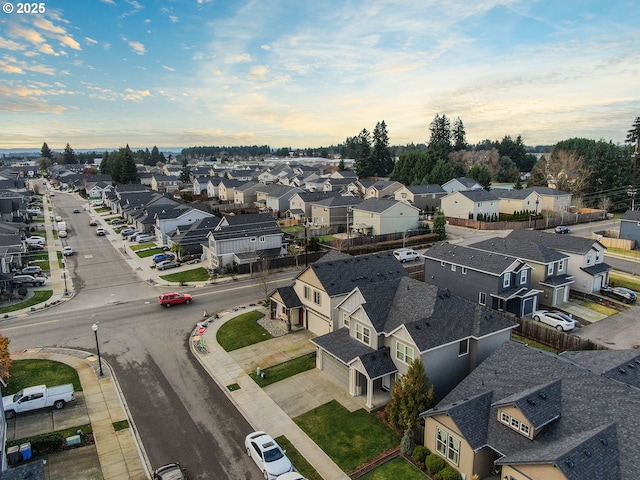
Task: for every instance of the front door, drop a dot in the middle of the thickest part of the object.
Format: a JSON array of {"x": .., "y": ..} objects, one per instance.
[{"x": 386, "y": 383}]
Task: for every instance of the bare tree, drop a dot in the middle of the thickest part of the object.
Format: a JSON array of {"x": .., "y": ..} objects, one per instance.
[
  {"x": 261, "y": 273},
  {"x": 605, "y": 203},
  {"x": 569, "y": 172}
]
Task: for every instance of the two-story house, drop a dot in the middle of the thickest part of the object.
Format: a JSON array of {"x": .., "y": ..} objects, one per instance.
[
  {"x": 498, "y": 281},
  {"x": 461, "y": 184},
  {"x": 275, "y": 198},
  {"x": 300, "y": 203},
  {"x": 524, "y": 414},
  {"x": 378, "y": 216},
  {"x": 226, "y": 189},
  {"x": 474, "y": 204},
  {"x": 630, "y": 227},
  {"x": 550, "y": 272},
  {"x": 333, "y": 211},
  {"x": 425, "y": 197},
  {"x": 382, "y": 189},
  {"x": 384, "y": 326},
  {"x": 523, "y": 200},
  {"x": 246, "y": 193},
  {"x": 164, "y": 183}
]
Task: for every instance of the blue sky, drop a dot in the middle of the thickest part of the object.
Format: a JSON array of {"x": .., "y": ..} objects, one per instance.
[{"x": 105, "y": 73}]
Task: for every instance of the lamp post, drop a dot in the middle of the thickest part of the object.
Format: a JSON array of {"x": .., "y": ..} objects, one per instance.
[
  {"x": 94, "y": 327},
  {"x": 64, "y": 275}
]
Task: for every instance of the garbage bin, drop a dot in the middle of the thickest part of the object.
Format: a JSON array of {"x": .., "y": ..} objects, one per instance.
[
  {"x": 13, "y": 455},
  {"x": 25, "y": 450}
]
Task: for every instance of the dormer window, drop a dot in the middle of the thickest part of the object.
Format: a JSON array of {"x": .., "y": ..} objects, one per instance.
[
  {"x": 523, "y": 277},
  {"x": 515, "y": 424},
  {"x": 506, "y": 280}
]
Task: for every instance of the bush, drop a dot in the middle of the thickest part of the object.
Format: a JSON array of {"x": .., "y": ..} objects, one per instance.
[
  {"x": 420, "y": 453},
  {"x": 449, "y": 473},
  {"x": 22, "y": 291},
  {"x": 406, "y": 444},
  {"x": 434, "y": 463},
  {"x": 47, "y": 444}
]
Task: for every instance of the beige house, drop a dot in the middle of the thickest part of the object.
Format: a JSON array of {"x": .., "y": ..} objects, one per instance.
[
  {"x": 380, "y": 216},
  {"x": 382, "y": 189},
  {"x": 474, "y": 204}
]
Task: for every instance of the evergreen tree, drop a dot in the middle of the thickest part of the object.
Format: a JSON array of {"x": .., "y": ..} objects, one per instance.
[
  {"x": 439, "y": 225},
  {"x": 185, "y": 173},
  {"x": 154, "y": 159},
  {"x": 481, "y": 174},
  {"x": 127, "y": 167},
  {"x": 364, "y": 159},
  {"x": 341, "y": 166},
  {"x": 45, "y": 151},
  {"x": 382, "y": 160},
  {"x": 441, "y": 173},
  {"x": 104, "y": 163},
  {"x": 518, "y": 185},
  {"x": 459, "y": 136},
  {"x": 412, "y": 394},
  {"x": 440, "y": 141},
  {"x": 538, "y": 176},
  {"x": 68, "y": 156},
  {"x": 633, "y": 135}
]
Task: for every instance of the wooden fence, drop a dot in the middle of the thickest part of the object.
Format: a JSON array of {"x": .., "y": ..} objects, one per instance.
[{"x": 560, "y": 341}]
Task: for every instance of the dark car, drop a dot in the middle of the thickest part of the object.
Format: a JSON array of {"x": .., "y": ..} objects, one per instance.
[
  {"x": 35, "y": 247},
  {"x": 563, "y": 229},
  {"x": 76, "y": 210},
  {"x": 118, "y": 221},
  {"x": 619, "y": 293},
  {"x": 162, "y": 257}
]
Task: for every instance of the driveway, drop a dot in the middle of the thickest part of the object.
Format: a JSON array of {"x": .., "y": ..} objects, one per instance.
[{"x": 620, "y": 331}]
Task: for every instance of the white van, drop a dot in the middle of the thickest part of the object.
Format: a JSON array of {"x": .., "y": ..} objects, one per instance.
[{"x": 406, "y": 255}]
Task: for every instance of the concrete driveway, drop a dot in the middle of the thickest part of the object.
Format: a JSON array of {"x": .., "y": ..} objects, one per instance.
[{"x": 619, "y": 332}]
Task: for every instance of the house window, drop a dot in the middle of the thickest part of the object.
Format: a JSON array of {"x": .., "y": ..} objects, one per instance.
[
  {"x": 453, "y": 268},
  {"x": 442, "y": 264},
  {"x": 561, "y": 266},
  {"x": 523, "y": 277},
  {"x": 463, "y": 347},
  {"x": 524, "y": 428},
  {"x": 506, "y": 280},
  {"x": 505, "y": 418},
  {"x": 589, "y": 258},
  {"x": 263, "y": 239},
  {"x": 515, "y": 423},
  {"x": 448, "y": 446},
  {"x": 252, "y": 239},
  {"x": 316, "y": 297},
  {"x": 346, "y": 319},
  {"x": 482, "y": 298},
  {"x": 404, "y": 353},
  {"x": 464, "y": 270},
  {"x": 550, "y": 269},
  {"x": 404, "y": 195},
  {"x": 597, "y": 257},
  {"x": 363, "y": 334},
  {"x": 307, "y": 293}
]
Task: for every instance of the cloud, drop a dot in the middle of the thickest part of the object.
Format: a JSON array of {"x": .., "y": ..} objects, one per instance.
[
  {"x": 173, "y": 18},
  {"x": 265, "y": 47},
  {"x": 47, "y": 26},
  {"x": 137, "y": 47},
  {"x": 109, "y": 2},
  {"x": 10, "y": 45},
  {"x": 135, "y": 95},
  {"x": 170, "y": 69},
  {"x": 28, "y": 34},
  {"x": 69, "y": 42},
  {"x": 90, "y": 41},
  {"x": 258, "y": 72},
  {"x": 240, "y": 58}
]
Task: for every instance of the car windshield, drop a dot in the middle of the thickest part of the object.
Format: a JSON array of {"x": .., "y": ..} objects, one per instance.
[{"x": 273, "y": 455}]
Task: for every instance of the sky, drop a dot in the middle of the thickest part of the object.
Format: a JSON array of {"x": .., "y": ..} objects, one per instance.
[{"x": 297, "y": 73}]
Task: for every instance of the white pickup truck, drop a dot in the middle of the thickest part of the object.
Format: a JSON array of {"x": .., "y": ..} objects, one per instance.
[{"x": 39, "y": 396}]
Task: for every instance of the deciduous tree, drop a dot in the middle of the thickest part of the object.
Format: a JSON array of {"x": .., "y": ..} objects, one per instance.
[{"x": 5, "y": 358}]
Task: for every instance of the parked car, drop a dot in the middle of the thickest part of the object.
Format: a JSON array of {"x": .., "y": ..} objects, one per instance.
[
  {"x": 558, "y": 320},
  {"x": 563, "y": 229},
  {"x": 406, "y": 254},
  {"x": 620, "y": 293},
  {"x": 33, "y": 270},
  {"x": 93, "y": 222},
  {"x": 167, "y": 265},
  {"x": 128, "y": 231},
  {"x": 76, "y": 210},
  {"x": 174, "y": 298},
  {"x": 161, "y": 257},
  {"x": 118, "y": 221},
  {"x": 267, "y": 454},
  {"x": 145, "y": 238},
  {"x": 58, "y": 218},
  {"x": 28, "y": 280},
  {"x": 36, "y": 239},
  {"x": 100, "y": 231},
  {"x": 39, "y": 396},
  {"x": 291, "y": 476},
  {"x": 67, "y": 251},
  {"x": 35, "y": 247},
  {"x": 62, "y": 234},
  {"x": 171, "y": 471}
]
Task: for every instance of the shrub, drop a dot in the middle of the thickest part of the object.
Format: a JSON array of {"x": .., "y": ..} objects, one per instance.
[
  {"x": 449, "y": 473},
  {"x": 434, "y": 463},
  {"x": 47, "y": 444},
  {"x": 420, "y": 453},
  {"x": 407, "y": 444},
  {"x": 22, "y": 291}
]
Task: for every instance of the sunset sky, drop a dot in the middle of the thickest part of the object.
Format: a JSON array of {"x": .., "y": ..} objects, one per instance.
[{"x": 102, "y": 74}]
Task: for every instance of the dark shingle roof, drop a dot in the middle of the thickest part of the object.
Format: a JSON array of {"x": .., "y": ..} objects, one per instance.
[
  {"x": 540, "y": 404},
  {"x": 425, "y": 189},
  {"x": 631, "y": 215},
  {"x": 376, "y": 205},
  {"x": 289, "y": 297},
  {"x": 472, "y": 418},
  {"x": 480, "y": 195},
  {"x": 560, "y": 243},
  {"x": 378, "y": 363},
  {"x": 473, "y": 258},
  {"x": 342, "y": 345},
  {"x": 337, "y": 201},
  {"x": 527, "y": 250}
]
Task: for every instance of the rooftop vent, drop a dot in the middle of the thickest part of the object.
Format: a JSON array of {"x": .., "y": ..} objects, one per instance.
[
  {"x": 631, "y": 365},
  {"x": 622, "y": 370},
  {"x": 587, "y": 452},
  {"x": 542, "y": 395},
  {"x": 570, "y": 463},
  {"x": 604, "y": 442},
  {"x": 531, "y": 401}
]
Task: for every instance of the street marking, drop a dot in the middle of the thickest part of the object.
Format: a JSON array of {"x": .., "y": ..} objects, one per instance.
[{"x": 31, "y": 325}]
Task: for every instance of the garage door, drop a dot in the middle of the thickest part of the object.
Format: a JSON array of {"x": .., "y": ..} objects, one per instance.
[
  {"x": 527, "y": 306},
  {"x": 336, "y": 369},
  {"x": 317, "y": 324}
]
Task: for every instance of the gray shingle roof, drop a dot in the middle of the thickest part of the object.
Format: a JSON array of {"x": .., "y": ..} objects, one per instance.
[
  {"x": 376, "y": 205},
  {"x": 560, "y": 243},
  {"x": 594, "y": 407},
  {"x": 480, "y": 195},
  {"x": 472, "y": 418},
  {"x": 342, "y": 345},
  {"x": 425, "y": 189},
  {"x": 378, "y": 363},
  {"x": 473, "y": 258},
  {"x": 337, "y": 201},
  {"x": 631, "y": 215},
  {"x": 289, "y": 297},
  {"x": 540, "y": 404},
  {"x": 527, "y": 250}
]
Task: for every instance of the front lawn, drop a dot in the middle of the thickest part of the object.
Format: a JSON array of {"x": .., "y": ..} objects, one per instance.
[
  {"x": 27, "y": 373},
  {"x": 597, "y": 307},
  {"x": 39, "y": 296},
  {"x": 285, "y": 370},
  {"x": 149, "y": 253},
  {"x": 141, "y": 246},
  {"x": 298, "y": 461},
  {"x": 397, "y": 467},
  {"x": 349, "y": 438},
  {"x": 241, "y": 331},
  {"x": 199, "y": 274}
]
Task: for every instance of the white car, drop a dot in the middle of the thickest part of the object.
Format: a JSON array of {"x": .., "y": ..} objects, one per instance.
[
  {"x": 558, "y": 320},
  {"x": 62, "y": 234},
  {"x": 35, "y": 239},
  {"x": 268, "y": 455},
  {"x": 291, "y": 476},
  {"x": 67, "y": 251}
]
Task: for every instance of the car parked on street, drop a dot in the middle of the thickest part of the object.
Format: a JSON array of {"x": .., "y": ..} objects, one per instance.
[
  {"x": 558, "y": 320},
  {"x": 167, "y": 265},
  {"x": 406, "y": 254},
  {"x": 267, "y": 454},
  {"x": 162, "y": 257},
  {"x": 171, "y": 471},
  {"x": 563, "y": 229},
  {"x": 67, "y": 251},
  {"x": 125, "y": 232},
  {"x": 62, "y": 234},
  {"x": 174, "y": 298},
  {"x": 35, "y": 247},
  {"x": 76, "y": 210},
  {"x": 619, "y": 293}
]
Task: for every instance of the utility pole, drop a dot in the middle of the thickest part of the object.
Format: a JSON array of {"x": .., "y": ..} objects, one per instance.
[
  {"x": 635, "y": 165},
  {"x": 306, "y": 246}
]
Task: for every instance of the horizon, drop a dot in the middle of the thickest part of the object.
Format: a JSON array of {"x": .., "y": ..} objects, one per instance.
[{"x": 287, "y": 74}]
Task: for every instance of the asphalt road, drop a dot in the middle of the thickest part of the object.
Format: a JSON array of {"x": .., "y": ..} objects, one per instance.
[{"x": 180, "y": 413}]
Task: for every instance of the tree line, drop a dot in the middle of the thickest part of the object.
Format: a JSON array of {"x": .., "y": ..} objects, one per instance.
[{"x": 70, "y": 157}]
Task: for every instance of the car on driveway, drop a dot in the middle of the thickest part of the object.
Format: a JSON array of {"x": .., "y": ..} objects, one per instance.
[
  {"x": 35, "y": 239},
  {"x": 28, "y": 280},
  {"x": 35, "y": 247},
  {"x": 128, "y": 231},
  {"x": 33, "y": 270},
  {"x": 67, "y": 251},
  {"x": 145, "y": 238},
  {"x": 162, "y": 257},
  {"x": 558, "y": 320},
  {"x": 563, "y": 229},
  {"x": 619, "y": 293},
  {"x": 118, "y": 221},
  {"x": 267, "y": 454},
  {"x": 174, "y": 298},
  {"x": 167, "y": 264},
  {"x": 171, "y": 471}
]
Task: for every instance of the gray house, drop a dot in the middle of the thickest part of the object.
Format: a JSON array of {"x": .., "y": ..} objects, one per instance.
[{"x": 630, "y": 227}]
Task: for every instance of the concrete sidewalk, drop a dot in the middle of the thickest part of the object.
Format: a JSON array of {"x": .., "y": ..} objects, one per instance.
[{"x": 260, "y": 410}]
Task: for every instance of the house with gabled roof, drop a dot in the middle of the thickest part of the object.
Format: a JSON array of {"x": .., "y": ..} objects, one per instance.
[
  {"x": 497, "y": 281},
  {"x": 333, "y": 211},
  {"x": 531, "y": 415},
  {"x": 166, "y": 220},
  {"x": 523, "y": 200},
  {"x": 552, "y": 199},
  {"x": 192, "y": 236},
  {"x": 226, "y": 189},
  {"x": 381, "y": 189},
  {"x": 384, "y": 326},
  {"x": 164, "y": 183},
  {"x": 461, "y": 184},
  {"x": 300, "y": 203},
  {"x": 630, "y": 227},
  {"x": 476, "y": 204},
  {"x": 200, "y": 185},
  {"x": 425, "y": 197},
  {"x": 378, "y": 216},
  {"x": 275, "y": 198},
  {"x": 550, "y": 272},
  {"x": 213, "y": 185},
  {"x": 246, "y": 193}
]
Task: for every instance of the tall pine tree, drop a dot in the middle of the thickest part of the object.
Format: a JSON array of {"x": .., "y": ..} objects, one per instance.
[
  {"x": 382, "y": 160},
  {"x": 364, "y": 159}
]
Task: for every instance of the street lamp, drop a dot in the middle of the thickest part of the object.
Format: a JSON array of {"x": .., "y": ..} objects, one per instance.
[
  {"x": 64, "y": 275},
  {"x": 94, "y": 327}
]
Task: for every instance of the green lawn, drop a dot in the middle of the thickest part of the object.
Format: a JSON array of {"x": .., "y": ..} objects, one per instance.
[
  {"x": 199, "y": 274},
  {"x": 38, "y": 297},
  {"x": 149, "y": 253},
  {"x": 140, "y": 246},
  {"x": 26, "y": 373},
  {"x": 299, "y": 462},
  {"x": 349, "y": 438},
  {"x": 622, "y": 281},
  {"x": 597, "y": 307},
  {"x": 241, "y": 331},
  {"x": 398, "y": 467},
  {"x": 285, "y": 370}
]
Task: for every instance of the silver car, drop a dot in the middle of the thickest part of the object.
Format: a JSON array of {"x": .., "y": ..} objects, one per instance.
[{"x": 558, "y": 320}]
